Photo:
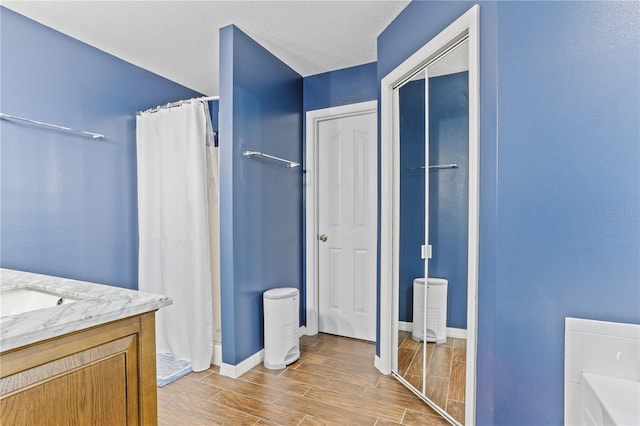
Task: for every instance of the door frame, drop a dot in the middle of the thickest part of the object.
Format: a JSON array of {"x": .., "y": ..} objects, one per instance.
[
  {"x": 313, "y": 120},
  {"x": 467, "y": 24}
]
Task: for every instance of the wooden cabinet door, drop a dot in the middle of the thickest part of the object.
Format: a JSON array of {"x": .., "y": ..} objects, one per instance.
[{"x": 94, "y": 377}]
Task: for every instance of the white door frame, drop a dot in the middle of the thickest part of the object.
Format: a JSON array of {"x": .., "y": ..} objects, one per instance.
[
  {"x": 314, "y": 118},
  {"x": 390, "y": 196}
]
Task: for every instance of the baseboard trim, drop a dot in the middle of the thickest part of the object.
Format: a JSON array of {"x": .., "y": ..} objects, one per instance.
[
  {"x": 405, "y": 326},
  {"x": 458, "y": 333},
  {"x": 235, "y": 371},
  {"x": 216, "y": 354}
]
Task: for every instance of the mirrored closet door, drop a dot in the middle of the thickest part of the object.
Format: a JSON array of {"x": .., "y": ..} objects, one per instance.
[{"x": 432, "y": 124}]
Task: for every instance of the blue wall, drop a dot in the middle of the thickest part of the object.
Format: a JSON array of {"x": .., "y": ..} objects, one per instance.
[
  {"x": 341, "y": 87},
  {"x": 448, "y": 190},
  {"x": 569, "y": 103},
  {"x": 214, "y": 109},
  {"x": 261, "y": 200},
  {"x": 69, "y": 203},
  {"x": 559, "y": 210}
]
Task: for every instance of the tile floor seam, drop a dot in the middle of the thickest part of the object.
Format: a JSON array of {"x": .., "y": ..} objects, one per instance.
[
  {"x": 403, "y": 416},
  {"x": 343, "y": 408}
]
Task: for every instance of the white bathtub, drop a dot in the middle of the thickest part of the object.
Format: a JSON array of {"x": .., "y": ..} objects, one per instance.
[
  {"x": 609, "y": 400},
  {"x": 14, "y": 302}
]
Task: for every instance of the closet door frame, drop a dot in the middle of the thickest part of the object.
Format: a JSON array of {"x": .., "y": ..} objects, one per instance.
[{"x": 466, "y": 25}]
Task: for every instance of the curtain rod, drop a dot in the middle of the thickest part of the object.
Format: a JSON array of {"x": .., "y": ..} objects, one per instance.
[
  {"x": 51, "y": 126},
  {"x": 178, "y": 103}
]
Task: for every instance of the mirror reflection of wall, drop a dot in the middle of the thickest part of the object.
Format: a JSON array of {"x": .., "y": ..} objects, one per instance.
[
  {"x": 448, "y": 228},
  {"x": 412, "y": 137}
]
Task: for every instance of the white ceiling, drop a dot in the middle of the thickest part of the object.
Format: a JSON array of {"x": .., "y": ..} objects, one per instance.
[{"x": 179, "y": 39}]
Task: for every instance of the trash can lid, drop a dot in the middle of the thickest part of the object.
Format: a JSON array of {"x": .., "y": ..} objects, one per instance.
[
  {"x": 432, "y": 281},
  {"x": 280, "y": 293},
  {"x": 437, "y": 281}
]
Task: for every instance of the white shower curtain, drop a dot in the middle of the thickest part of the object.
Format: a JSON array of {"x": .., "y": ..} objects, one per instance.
[
  {"x": 213, "y": 186},
  {"x": 174, "y": 251}
]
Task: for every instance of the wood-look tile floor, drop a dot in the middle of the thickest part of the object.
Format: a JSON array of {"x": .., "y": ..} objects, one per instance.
[
  {"x": 446, "y": 370},
  {"x": 333, "y": 383}
]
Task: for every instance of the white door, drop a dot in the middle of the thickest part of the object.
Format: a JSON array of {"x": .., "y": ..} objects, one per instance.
[{"x": 347, "y": 224}]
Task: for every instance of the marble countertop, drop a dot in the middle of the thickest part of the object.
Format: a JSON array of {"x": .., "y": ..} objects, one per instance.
[{"x": 98, "y": 304}]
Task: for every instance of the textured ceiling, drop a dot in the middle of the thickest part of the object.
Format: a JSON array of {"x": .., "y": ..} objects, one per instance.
[{"x": 179, "y": 39}]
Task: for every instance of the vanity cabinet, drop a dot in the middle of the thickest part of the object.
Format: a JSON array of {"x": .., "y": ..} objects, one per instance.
[{"x": 103, "y": 375}]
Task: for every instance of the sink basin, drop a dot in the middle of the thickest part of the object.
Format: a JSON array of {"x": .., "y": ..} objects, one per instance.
[
  {"x": 609, "y": 400},
  {"x": 14, "y": 302}
]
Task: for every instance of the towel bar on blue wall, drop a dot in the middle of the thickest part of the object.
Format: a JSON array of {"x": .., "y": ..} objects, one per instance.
[
  {"x": 436, "y": 167},
  {"x": 52, "y": 126},
  {"x": 290, "y": 164}
]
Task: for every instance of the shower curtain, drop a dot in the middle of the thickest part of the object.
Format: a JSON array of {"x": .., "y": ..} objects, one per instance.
[
  {"x": 213, "y": 187},
  {"x": 173, "y": 221}
]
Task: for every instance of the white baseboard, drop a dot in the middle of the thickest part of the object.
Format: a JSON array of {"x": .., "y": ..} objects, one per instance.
[
  {"x": 405, "y": 326},
  {"x": 235, "y": 371},
  {"x": 238, "y": 370},
  {"x": 458, "y": 333},
  {"x": 216, "y": 353}
]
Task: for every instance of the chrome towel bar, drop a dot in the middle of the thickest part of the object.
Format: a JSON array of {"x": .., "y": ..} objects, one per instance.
[
  {"x": 290, "y": 164},
  {"x": 436, "y": 167},
  {"x": 52, "y": 126}
]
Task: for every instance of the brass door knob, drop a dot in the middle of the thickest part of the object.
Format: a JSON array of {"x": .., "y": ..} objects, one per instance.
[{"x": 323, "y": 237}]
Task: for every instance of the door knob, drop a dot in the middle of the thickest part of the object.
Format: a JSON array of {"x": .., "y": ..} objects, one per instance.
[{"x": 323, "y": 237}]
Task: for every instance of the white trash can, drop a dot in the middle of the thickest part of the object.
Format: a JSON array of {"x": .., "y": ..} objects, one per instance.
[
  {"x": 281, "y": 341},
  {"x": 436, "y": 310}
]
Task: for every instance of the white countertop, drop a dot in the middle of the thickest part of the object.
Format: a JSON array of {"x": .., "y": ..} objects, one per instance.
[{"x": 99, "y": 304}]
